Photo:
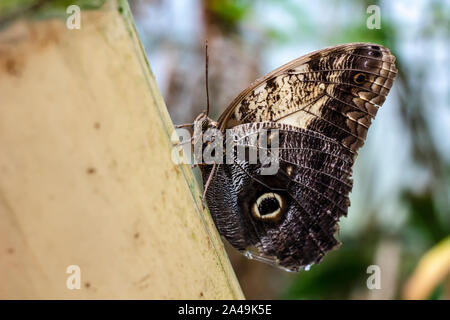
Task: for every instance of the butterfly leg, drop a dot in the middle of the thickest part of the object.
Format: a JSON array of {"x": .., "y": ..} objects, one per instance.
[
  {"x": 211, "y": 175},
  {"x": 182, "y": 143},
  {"x": 183, "y": 125}
]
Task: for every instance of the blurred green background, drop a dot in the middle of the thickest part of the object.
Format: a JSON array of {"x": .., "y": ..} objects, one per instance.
[{"x": 401, "y": 196}]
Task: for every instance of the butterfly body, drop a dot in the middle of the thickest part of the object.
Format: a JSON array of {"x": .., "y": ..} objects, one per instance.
[{"x": 319, "y": 108}]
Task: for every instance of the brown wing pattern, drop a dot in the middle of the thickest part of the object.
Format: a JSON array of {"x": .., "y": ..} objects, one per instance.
[
  {"x": 314, "y": 179},
  {"x": 335, "y": 91}
]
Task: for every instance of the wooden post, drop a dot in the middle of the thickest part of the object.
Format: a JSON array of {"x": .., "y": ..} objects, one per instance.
[{"x": 86, "y": 176}]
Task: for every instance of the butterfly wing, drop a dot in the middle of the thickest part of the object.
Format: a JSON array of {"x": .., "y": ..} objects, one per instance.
[
  {"x": 335, "y": 91},
  {"x": 322, "y": 105},
  {"x": 312, "y": 186}
]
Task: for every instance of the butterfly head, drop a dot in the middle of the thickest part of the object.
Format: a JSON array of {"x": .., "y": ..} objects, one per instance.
[{"x": 201, "y": 124}]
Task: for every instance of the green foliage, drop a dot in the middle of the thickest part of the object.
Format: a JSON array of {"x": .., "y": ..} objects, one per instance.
[
  {"x": 424, "y": 219},
  {"x": 358, "y": 32},
  {"x": 10, "y": 6},
  {"x": 336, "y": 276},
  {"x": 229, "y": 12},
  {"x": 58, "y": 7},
  {"x": 42, "y": 9}
]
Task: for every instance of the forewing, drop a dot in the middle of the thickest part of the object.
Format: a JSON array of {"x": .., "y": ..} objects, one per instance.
[{"x": 335, "y": 91}]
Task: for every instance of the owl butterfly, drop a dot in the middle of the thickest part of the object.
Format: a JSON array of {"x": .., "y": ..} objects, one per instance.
[{"x": 320, "y": 106}]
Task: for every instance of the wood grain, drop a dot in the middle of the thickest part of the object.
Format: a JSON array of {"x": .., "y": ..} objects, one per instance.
[{"x": 86, "y": 176}]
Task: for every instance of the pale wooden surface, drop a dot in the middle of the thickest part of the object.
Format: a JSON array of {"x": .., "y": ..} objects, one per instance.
[{"x": 86, "y": 176}]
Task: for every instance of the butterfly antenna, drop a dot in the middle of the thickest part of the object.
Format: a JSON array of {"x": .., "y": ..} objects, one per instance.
[{"x": 206, "y": 75}]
